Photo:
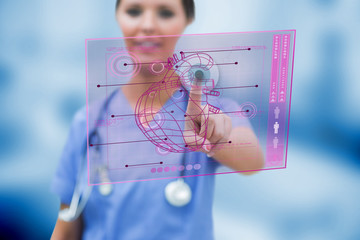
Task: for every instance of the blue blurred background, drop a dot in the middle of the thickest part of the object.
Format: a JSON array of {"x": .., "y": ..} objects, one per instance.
[{"x": 42, "y": 84}]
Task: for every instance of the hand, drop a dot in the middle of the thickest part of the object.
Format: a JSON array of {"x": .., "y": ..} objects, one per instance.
[{"x": 204, "y": 130}]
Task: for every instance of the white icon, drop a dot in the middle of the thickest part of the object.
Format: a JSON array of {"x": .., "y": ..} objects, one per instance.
[
  {"x": 277, "y": 112},
  {"x": 275, "y": 142},
  {"x": 276, "y": 128}
]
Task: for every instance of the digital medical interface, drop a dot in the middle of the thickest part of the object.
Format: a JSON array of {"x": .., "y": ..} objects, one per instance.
[{"x": 247, "y": 76}]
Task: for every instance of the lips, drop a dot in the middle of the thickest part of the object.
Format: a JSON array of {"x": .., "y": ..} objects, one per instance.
[{"x": 147, "y": 45}]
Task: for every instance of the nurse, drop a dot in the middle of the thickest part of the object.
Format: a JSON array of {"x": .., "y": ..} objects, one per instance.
[{"x": 140, "y": 210}]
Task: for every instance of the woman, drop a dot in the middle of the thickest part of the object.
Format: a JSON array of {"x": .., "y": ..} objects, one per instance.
[{"x": 139, "y": 210}]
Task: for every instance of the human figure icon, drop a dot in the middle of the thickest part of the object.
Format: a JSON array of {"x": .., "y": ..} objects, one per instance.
[
  {"x": 275, "y": 142},
  {"x": 277, "y": 112},
  {"x": 276, "y": 128}
]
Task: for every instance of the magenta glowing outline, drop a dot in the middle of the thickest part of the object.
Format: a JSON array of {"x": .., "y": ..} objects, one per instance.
[{"x": 162, "y": 137}]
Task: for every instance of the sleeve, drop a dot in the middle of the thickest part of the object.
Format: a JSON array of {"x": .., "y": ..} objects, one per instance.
[
  {"x": 64, "y": 181},
  {"x": 232, "y": 109}
]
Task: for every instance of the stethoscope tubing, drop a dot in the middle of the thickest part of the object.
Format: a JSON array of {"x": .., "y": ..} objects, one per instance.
[{"x": 79, "y": 200}]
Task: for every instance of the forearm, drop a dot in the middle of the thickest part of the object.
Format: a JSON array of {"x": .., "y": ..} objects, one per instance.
[
  {"x": 67, "y": 230},
  {"x": 243, "y": 153}
]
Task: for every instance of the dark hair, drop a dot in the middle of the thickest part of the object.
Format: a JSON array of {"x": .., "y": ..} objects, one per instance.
[{"x": 189, "y": 8}]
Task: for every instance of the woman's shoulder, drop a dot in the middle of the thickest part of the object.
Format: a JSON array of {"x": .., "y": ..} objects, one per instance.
[
  {"x": 80, "y": 115},
  {"x": 89, "y": 111}
]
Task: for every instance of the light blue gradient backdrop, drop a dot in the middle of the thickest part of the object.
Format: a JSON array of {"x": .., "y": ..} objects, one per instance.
[{"x": 42, "y": 83}]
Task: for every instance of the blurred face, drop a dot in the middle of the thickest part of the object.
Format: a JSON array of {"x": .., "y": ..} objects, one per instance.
[{"x": 143, "y": 18}]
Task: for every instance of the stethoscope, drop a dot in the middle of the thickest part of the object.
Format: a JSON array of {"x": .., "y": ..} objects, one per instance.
[{"x": 177, "y": 193}]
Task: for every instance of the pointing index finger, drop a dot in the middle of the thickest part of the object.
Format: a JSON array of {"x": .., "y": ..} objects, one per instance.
[{"x": 195, "y": 93}]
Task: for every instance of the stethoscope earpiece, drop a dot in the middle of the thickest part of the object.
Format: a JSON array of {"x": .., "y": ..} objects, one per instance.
[{"x": 106, "y": 187}]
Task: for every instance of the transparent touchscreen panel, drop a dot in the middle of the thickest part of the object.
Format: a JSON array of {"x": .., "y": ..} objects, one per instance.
[{"x": 153, "y": 104}]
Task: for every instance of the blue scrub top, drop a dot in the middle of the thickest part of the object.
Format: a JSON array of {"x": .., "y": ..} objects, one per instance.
[{"x": 139, "y": 210}]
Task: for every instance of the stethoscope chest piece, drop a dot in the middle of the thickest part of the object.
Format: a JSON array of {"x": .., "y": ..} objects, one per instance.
[{"x": 178, "y": 193}]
